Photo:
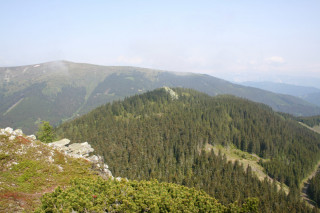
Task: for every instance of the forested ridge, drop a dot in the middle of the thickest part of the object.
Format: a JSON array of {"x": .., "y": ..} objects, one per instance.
[
  {"x": 60, "y": 90},
  {"x": 156, "y": 136}
]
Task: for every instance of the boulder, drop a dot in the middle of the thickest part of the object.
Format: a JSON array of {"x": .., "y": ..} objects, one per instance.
[
  {"x": 17, "y": 132},
  {"x": 83, "y": 150},
  {"x": 8, "y": 131},
  {"x": 32, "y": 137},
  {"x": 60, "y": 144},
  {"x": 75, "y": 150},
  {"x": 172, "y": 93}
]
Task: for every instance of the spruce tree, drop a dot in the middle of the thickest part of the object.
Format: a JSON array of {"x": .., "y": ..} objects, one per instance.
[{"x": 45, "y": 132}]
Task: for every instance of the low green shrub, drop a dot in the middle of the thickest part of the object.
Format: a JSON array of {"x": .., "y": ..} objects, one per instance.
[{"x": 97, "y": 195}]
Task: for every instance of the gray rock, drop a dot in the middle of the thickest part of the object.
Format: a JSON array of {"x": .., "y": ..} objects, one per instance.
[
  {"x": 17, "y": 132},
  {"x": 83, "y": 150},
  {"x": 172, "y": 93},
  {"x": 60, "y": 144},
  {"x": 12, "y": 137},
  {"x": 75, "y": 150},
  {"x": 32, "y": 137},
  {"x": 8, "y": 131},
  {"x": 95, "y": 159},
  {"x": 12, "y": 134}
]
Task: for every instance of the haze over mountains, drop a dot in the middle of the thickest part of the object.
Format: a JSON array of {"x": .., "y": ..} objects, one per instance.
[
  {"x": 145, "y": 107},
  {"x": 60, "y": 90},
  {"x": 310, "y": 94}
]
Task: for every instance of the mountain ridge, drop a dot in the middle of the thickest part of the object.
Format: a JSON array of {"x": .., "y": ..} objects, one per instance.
[
  {"x": 310, "y": 94},
  {"x": 62, "y": 90}
]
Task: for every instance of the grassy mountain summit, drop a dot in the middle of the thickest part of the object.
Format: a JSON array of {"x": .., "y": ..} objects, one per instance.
[
  {"x": 57, "y": 91},
  {"x": 165, "y": 134}
]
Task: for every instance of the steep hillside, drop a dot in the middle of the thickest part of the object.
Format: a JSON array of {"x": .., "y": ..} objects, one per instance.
[
  {"x": 164, "y": 134},
  {"x": 30, "y": 168},
  {"x": 58, "y": 178},
  {"x": 57, "y": 91}
]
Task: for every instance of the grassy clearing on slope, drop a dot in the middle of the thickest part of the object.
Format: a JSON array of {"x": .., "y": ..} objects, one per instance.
[
  {"x": 29, "y": 169},
  {"x": 246, "y": 159},
  {"x": 305, "y": 184},
  {"x": 316, "y": 129}
]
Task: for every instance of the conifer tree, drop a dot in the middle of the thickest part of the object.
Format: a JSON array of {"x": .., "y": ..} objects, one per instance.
[{"x": 45, "y": 132}]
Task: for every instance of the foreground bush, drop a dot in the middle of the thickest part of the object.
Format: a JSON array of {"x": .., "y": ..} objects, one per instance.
[{"x": 89, "y": 195}]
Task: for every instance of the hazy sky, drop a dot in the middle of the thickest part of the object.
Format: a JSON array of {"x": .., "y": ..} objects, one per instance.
[{"x": 237, "y": 40}]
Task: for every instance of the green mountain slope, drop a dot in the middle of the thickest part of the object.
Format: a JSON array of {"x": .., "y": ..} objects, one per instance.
[
  {"x": 155, "y": 135},
  {"x": 57, "y": 91},
  {"x": 36, "y": 177}
]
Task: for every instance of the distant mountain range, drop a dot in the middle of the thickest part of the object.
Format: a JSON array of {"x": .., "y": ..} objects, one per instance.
[
  {"x": 310, "y": 94},
  {"x": 61, "y": 90}
]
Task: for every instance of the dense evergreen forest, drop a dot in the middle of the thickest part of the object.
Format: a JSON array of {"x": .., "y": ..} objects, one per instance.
[
  {"x": 155, "y": 135},
  {"x": 314, "y": 189}
]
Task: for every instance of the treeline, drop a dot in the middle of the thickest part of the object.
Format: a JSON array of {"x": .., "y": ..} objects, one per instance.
[
  {"x": 154, "y": 136},
  {"x": 314, "y": 189}
]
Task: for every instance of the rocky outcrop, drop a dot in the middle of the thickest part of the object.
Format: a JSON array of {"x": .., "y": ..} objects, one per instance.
[
  {"x": 12, "y": 134},
  {"x": 173, "y": 94},
  {"x": 83, "y": 150},
  {"x": 75, "y": 150}
]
